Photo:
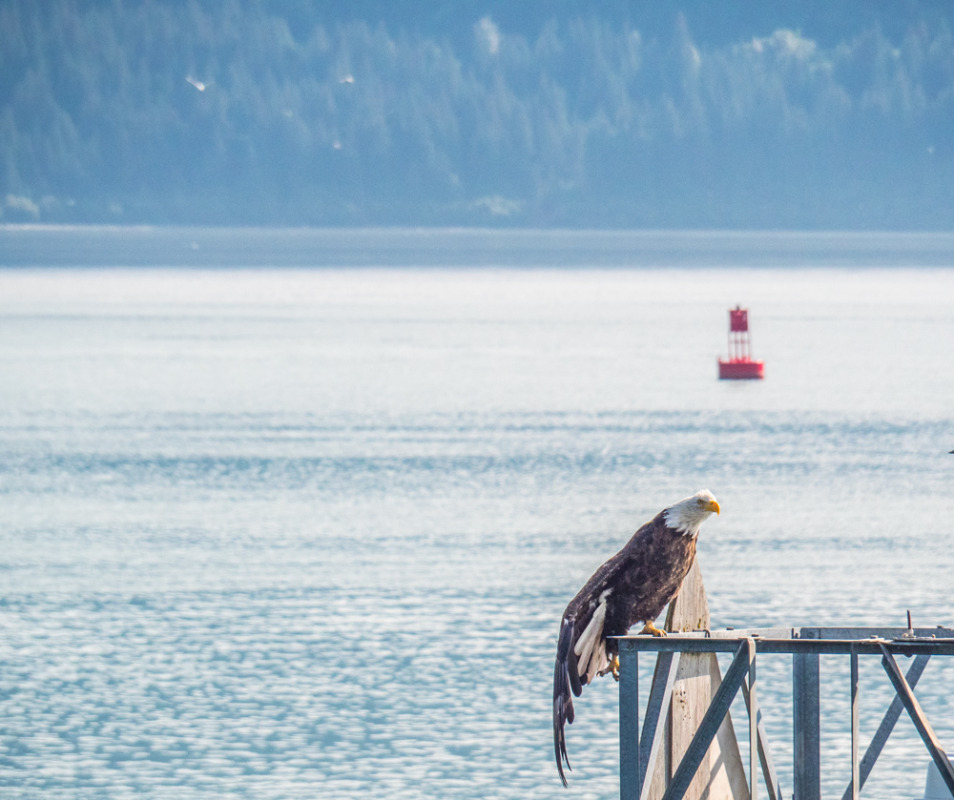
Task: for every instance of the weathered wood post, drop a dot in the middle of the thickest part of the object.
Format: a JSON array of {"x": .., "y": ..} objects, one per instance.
[{"x": 720, "y": 775}]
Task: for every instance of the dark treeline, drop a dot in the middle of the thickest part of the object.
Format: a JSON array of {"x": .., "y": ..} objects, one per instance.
[{"x": 730, "y": 114}]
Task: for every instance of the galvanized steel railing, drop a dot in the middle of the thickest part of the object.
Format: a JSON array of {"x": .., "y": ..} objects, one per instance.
[{"x": 639, "y": 752}]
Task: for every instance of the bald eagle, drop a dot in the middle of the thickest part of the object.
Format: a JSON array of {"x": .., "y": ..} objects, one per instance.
[{"x": 633, "y": 586}]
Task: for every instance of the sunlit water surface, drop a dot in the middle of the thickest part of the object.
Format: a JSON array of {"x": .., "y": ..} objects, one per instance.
[{"x": 309, "y": 533}]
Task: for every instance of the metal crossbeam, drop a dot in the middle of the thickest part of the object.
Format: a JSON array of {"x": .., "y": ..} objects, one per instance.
[{"x": 823, "y": 647}]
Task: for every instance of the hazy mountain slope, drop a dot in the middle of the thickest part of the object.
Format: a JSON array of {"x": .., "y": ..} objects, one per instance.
[{"x": 736, "y": 114}]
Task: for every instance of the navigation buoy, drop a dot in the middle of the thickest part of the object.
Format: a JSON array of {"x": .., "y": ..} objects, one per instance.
[{"x": 740, "y": 365}]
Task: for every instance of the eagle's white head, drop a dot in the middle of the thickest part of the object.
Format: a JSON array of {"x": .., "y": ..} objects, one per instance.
[{"x": 687, "y": 515}]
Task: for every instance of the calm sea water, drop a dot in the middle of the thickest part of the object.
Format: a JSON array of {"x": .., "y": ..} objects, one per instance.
[{"x": 288, "y": 533}]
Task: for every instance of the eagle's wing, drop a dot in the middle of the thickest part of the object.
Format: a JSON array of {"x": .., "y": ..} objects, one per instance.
[{"x": 581, "y": 650}]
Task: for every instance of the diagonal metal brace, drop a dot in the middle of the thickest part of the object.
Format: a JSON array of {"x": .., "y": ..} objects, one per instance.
[
  {"x": 712, "y": 720},
  {"x": 920, "y": 721},
  {"x": 887, "y": 725}
]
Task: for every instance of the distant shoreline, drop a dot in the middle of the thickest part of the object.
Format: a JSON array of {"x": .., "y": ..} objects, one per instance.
[{"x": 43, "y": 245}]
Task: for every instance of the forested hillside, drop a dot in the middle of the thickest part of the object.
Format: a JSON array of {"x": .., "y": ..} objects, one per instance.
[{"x": 729, "y": 114}]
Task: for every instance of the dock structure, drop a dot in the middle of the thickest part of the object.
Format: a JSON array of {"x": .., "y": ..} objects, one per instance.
[{"x": 686, "y": 748}]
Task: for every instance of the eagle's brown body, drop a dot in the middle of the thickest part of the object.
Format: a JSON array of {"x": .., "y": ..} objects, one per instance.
[
  {"x": 645, "y": 575},
  {"x": 633, "y": 586}
]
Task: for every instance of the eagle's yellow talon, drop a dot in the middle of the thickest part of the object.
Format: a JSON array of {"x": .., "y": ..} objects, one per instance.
[
  {"x": 652, "y": 630},
  {"x": 614, "y": 668}
]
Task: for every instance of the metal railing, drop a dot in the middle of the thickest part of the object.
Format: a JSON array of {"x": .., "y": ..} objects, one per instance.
[{"x": 639, "y": 751}]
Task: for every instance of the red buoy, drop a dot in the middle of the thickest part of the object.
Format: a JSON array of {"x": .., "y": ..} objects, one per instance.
[{"x": 740, "y": 365}]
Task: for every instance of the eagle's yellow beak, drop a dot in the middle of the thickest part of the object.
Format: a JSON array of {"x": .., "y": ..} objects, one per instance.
[{"x": 713, "y": 506}]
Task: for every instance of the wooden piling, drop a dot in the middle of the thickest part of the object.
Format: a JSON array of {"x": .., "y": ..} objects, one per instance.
[{"x": 720, "y": 775}]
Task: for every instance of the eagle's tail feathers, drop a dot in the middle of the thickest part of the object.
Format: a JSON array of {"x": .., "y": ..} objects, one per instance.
[
  {"x": 562, "y": 700},
  {"x": 575, "y": 683}
]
